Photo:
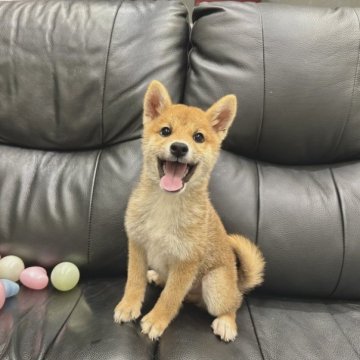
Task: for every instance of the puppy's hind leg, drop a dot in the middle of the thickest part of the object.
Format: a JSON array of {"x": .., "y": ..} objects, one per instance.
[
  {"x": 222, "y": 298},
  {"x": 225, "y": 326}
]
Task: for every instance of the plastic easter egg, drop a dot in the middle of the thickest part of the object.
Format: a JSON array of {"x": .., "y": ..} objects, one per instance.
[
  {"x": 11, "y": 287},
  {"x": 2, "y": 295},
  {"x": 65, "y": 276},
  {"x": 11, "y": 267},
  {"x": 34, "y": 277}
]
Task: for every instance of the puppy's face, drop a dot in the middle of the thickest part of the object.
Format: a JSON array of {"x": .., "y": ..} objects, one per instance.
[{"x": 181, "y": 143}]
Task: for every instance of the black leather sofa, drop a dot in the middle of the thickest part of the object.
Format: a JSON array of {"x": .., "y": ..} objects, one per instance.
[{"x": 72, "y": 78}]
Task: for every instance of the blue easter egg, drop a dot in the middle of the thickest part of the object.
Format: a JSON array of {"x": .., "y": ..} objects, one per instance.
[{"x": 11, "y": 287}]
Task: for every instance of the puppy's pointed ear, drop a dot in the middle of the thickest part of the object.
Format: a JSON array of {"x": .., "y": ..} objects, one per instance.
[
  {"x": 222, "y": 114},
  {"x": 156, "y": 100}
]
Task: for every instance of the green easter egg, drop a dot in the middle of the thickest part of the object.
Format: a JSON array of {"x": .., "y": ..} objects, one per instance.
[{"x": 65, "y": 276}]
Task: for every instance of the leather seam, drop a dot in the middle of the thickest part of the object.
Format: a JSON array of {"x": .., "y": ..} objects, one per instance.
[
  {"x": 343, "y": 231},
  {"x": 72, "y": 150},
  {"x": 338, "y": 142},
  {"x": 106, "y": 72},
  {"x": 90, "y": 215},
  {"x": 258, "y": 204},
  {"x": 5, "y": 346},
  {"x": 156, "y": 350},
  {"x": 255, "y": 331},
  {"x": 63, "y": 325},
  {"x": 264, "y": 84}
]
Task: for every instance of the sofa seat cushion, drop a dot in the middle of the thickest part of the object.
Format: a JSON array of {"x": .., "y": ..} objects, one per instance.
[
  {"x": 78, "y": 325},
  {"x": 270, "y": 329},
  {"x": 73, "y": 325},
  {"x": 306, "y": 329}
]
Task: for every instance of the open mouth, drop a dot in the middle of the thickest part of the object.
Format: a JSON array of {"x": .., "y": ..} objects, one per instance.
[{"x": 174, "y": 174}]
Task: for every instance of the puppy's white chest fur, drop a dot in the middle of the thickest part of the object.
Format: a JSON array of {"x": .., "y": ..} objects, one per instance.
[{"x": 160, "y": 227}]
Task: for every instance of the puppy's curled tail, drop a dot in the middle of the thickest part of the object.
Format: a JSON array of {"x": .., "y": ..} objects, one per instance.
[{"x": 252, "y": 262}]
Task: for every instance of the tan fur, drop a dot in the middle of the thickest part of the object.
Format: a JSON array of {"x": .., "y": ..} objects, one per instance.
[
  {"x": 252, "y": 270},
  {"x": 179, "y": 235}
]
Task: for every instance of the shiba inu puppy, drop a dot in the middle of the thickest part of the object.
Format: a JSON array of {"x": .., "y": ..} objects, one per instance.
[{"x": 172, "y": 227}]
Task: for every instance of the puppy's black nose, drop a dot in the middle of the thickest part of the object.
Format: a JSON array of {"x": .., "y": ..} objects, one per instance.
[{"x": 178, "y": 149}]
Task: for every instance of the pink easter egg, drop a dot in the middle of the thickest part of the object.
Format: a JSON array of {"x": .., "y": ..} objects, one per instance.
[
  {"x": 38, "y": 268},
  {"x": 2, "y": 295},
  {"x": 34, "y": 277}
]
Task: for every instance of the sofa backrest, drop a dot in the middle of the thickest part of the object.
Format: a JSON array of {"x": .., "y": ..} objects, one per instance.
[
  {"x": 294, "y": 71},
  {"x": 289, "y": 175},
  {"x": 72, "y": 79}
]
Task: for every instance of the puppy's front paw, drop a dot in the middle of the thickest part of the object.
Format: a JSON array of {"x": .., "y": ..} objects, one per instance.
[
  {"x": 153, "y": 325},
  {"x": 126, "y": 311}
]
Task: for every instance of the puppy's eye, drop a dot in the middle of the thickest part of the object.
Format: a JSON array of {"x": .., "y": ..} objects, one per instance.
[
  {"x": 165, "y": 131},
  {"x": 199, "y": 137}
]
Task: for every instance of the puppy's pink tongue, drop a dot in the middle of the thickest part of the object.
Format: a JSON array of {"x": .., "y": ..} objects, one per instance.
[{"x": 174, "y": 172}]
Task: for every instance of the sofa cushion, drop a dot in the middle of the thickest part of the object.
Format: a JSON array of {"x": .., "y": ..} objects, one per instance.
[
  {"x": 304, "y": 218},
  {"x": 78, "y": 324},
  {"x": 270, "y": 329},
  {"x": 59, "y": 206},
  {"x": 294, "y": 71},
  {"x": 73, "y": 73},
  {"x": 306, "y": 329}
]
